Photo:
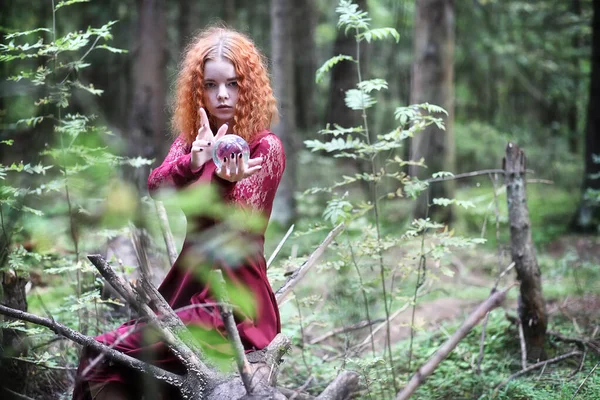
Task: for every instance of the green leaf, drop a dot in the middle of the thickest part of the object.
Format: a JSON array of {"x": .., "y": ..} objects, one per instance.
[
  {"x": 372, "y": 84},
  {"x": 351, "y": 17},
  {"x": 378, "y": 34},
  {"x": 65, "y": 3},
  {"x": 112, "y": 49},
  {"x": 359, "y": 100},
  {"x": 442, "y": 174},
  {"x": 25, "y": 33},
  {"x": 329, "y": 64}
]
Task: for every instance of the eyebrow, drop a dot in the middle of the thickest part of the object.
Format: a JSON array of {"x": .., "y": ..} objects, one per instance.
[{"x": 228, "y": 79}]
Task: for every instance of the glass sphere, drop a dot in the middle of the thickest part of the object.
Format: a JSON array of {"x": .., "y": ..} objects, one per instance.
[{"x": 228, "y": 145}]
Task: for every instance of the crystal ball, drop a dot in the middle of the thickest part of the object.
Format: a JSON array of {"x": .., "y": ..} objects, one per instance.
[{"x": 228, "y": 145}]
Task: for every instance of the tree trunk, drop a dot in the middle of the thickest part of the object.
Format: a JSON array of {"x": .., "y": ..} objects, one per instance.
[
  {"x": 148, "y": 115},
  {"x": 229, "y": 12},
  {"x": 185, "y": 24},
  {"x": 13, "y": 343},
  {"x": 532, "y": 309},
  {"x": 587, "y": 218},
  {"x": 284, "y": 207},
  {"x": 433, "y": 82},
  {"x": 305, "y": 66}
]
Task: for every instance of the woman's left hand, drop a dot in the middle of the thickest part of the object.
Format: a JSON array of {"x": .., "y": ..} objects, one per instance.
[{"x": 234, "y": 168}]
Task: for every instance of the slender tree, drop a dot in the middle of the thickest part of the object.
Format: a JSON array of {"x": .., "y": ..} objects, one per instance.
[
  {"x": 433, "y": 82},
  {"x": 147, "y": 124},
  {"x": 587, "y": 217},
  {"x": 284, "y": 208}
]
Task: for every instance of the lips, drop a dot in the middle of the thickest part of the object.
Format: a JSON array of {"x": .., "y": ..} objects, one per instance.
[{"x": 223, "y": 106}]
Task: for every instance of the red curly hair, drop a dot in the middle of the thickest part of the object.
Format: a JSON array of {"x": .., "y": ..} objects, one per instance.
[{"x": 256, "y": 107}]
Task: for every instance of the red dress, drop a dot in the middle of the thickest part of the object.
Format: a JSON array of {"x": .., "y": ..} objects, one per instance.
[{"x": 182, "y": 287}]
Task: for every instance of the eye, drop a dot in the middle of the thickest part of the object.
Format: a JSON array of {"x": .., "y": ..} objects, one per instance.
[
  {"x": 232, "y": 84},
  {"x": 209, "y": 85}
]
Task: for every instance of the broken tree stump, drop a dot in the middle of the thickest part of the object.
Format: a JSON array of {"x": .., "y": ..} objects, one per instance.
[{"x": 532, "y": 308}]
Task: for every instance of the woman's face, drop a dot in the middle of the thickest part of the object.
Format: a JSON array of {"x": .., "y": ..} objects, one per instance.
[{"x": 221, "y": 91}]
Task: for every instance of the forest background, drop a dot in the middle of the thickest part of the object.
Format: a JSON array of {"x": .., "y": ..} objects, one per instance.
[{"x": 505, "y": 71}]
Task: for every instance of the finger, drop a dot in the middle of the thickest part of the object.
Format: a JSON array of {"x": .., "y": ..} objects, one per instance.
[
  {"x": 225, "y": 167},
  {"x": 253, "y": 162},
  {"x": 203, "y": 117},
  {"x": 201, "y": 143},
  {"x": 222, "y": 131},
  {"x": 234, "y": 164},
  {"x": 252, "y": 171},
  {"x": 241, "y": 165}
]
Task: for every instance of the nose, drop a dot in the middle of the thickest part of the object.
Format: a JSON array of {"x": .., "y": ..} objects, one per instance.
[{"x": 222, "y": 93}]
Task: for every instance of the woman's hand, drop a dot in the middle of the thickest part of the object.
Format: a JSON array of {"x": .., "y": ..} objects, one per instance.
[
  {"x": 205, "y": 140},
  {"x": 234, "y": 168}
]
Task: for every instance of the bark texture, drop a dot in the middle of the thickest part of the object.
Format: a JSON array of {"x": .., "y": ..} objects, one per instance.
[
  {"x": 147, "y": 124},
  {"x": 532, "y": 308},
  {"x": 284, "y": 207},
  {"x": 433, "y": 82}
]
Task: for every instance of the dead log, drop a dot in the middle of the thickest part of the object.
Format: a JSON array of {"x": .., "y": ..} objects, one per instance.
[{"x": 532, "y": 308}]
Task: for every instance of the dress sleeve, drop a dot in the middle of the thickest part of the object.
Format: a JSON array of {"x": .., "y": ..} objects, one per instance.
[
  {"x": 175, "y": 171},
  {"x": 258, "y": 191}
]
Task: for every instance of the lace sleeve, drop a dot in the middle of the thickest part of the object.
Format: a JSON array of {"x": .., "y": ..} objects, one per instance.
[
  {"x": 258, "y": 191},
  {"x": 175, "y": 170}
]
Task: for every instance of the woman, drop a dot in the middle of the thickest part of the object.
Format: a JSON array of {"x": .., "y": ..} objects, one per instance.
[{"x": 223, "y": 87}]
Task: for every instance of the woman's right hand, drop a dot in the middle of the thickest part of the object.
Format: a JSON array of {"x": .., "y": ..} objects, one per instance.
[{"x": 205, "y": 140}]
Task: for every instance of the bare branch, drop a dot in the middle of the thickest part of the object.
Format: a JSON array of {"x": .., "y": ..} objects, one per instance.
[
  {"x": 344, "y": 329},
  {"x": 91, "y": 343},
  {"x": 341, "y": 388},
  {"x": 233, "y": 333},
  {"x": 279, "y": 246},
  {"x": 173, "y": 331},
  {"x": 536, "y": 366},
  {"x": 427, "y": 369},
  {"x": 293, "y": 280}
]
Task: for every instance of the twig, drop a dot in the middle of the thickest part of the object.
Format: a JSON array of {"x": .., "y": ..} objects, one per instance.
[
  {"x": 301, "y": 388},
  {"x": 585, "y": 379},
  {"x": 279, "y": 246},
  {"x": 523, "y": 346},
  {"x": 293, "y": 280},
  {"x": 427, "y": 369},
  {"x": 16, "y": 395},
  {"x": 536, "y": 366},
  {"x": 41, "y": 365},
  {"x": 233, "y": 333},
  {"x": 344, "y": 329}
]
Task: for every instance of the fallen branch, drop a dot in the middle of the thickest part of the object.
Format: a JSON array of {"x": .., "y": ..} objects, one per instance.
[
  {"x": 341, "y": 388},
  {"x": 344, "y": 329},
  {"x": 233, "y": 334},
  {"x": 536, "y": 366},
  {"x": 523, "y": 346},
  {"x": 279, "y": 246},
  {"x": 427, "y": 369},
  {"x": 91, "y": 343},
  {"x": 585, "y": 379},
  {"x": 485, "y": 321},
  {"x": 298, "y": 274}
]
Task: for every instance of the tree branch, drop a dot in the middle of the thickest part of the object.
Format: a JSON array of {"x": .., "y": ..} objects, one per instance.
[
  {"x": 427, "y": 369},
  {"x": 91, "y": 343},
  {"x": 293, "y": 280}
]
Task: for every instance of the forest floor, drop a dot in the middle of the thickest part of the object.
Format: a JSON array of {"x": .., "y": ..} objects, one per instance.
[{"x": 582, "y": 309}]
